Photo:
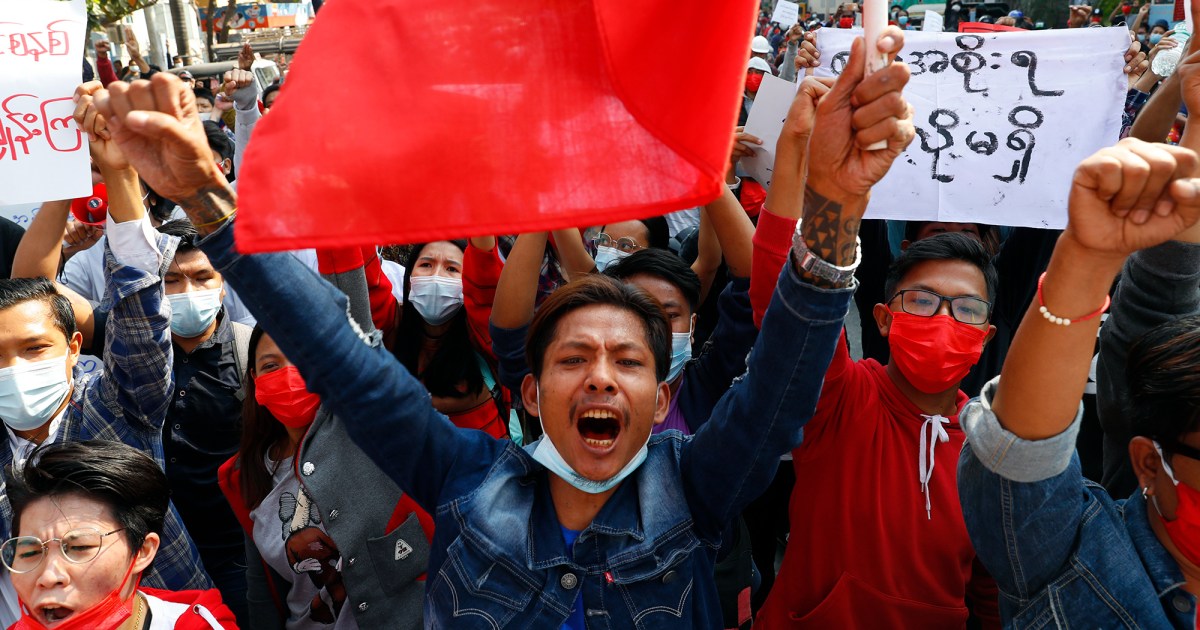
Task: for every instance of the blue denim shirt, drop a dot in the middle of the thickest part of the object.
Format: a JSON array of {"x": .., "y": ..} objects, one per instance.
[
  {"x": 498, "y": 557},
  {"x": 1064, "y": 553}
]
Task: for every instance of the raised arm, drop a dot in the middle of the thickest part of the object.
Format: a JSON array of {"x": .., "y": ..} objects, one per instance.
[
  {"x": 516, "y": 297},
  {"x": 572, "y": 253},
  {"x": 243, "y": 90},
  {"x": 733, "y": 231},
  {"x": 730, "y": 459},
  {"x": 385, "y": 409},
  {"x": 1154, "y": 121}
]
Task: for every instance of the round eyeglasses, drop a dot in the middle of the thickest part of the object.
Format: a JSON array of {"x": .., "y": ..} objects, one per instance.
[
  {"x": 964, "y": 308},
  {"x": 625, "y": 244},
  {"x": 79, "y": 546}
]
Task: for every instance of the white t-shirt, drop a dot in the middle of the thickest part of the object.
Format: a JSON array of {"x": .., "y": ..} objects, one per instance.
[{"x": 290, "y": 537}]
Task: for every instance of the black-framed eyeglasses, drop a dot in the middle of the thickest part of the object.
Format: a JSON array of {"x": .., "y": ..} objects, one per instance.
[
  {"x": 923, "y": 303},
  {"x": 624, "y": 244},
  {"x": 79, "y": 546}
]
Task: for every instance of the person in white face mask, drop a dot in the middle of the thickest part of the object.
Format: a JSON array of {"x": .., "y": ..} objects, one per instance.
[{"x": 443, "y": 337}]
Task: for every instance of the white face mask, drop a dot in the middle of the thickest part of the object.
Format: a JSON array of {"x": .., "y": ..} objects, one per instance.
[
  {"x": 547, "y": 455},
  {"x": 606, "y": 256},
  {"x": 436, "y": 298},
  {"x": 31, "y": 392},
  {"x": 681, "y": 353},
  {"x": 193, "y": 312}
]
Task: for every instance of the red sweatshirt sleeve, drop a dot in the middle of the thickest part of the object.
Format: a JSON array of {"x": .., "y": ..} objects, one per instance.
[
  {"x": 105, "y": 70},
  {"x": 481, "y": 273},
  {"x": 384, "y": 309},
  {"x": 772, "y": 241}
]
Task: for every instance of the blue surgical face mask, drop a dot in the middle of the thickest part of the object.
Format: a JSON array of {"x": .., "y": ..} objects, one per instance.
[
  {"x": 193, "y": 312},
  {"x": 903, "y": 19},
  {"x": 1142, "y": 37},
  {"x": 544, "y": 452},
  {"x": 31, "y": 392},
  {"x": 606, "y": 256},
  {"x": 681, "y": 353},
  {"x": 1155, "y": 38}
]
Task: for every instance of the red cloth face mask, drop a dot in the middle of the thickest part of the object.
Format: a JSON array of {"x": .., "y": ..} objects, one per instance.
[
  {"x": 107, "y": 614},
  {"x": 753, "y": 82},
  {"x": 1185, "y": 529},
  {"x": 284, "y": 394},
  {"x": 933, "y": 353}
]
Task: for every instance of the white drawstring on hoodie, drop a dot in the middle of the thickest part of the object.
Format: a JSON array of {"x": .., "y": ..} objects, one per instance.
[{"x": 932, "y": 432}]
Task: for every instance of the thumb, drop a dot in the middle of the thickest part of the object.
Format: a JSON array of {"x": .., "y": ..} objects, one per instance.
[
  {"x": 156, "y": 125},
  {"x": 1186, "y": 194}
]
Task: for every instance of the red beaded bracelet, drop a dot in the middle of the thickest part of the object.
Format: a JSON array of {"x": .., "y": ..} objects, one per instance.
[{"x": 1063, "y": 321}]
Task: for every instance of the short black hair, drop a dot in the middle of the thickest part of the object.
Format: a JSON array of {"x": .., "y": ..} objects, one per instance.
[
  {"x": 599, "y": 290},
  {"x": 948, "y": 246},
  {"x": 220, "y": 143},
  {"x": 912, "y": 228},
  {"x": 270, "y": 89},
  {"x": 124, "y": 478},
  {"x": 204, "y": 93},
  {"x": 183, "y": 230},
  {"x": 15, "y": 291},
  {"x": 662, "y": 264},
  {"x": 1163, "y": 375},
  {"x": 659, "y": 231}
]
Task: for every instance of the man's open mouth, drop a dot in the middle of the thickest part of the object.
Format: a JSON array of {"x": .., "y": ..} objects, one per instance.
[
  {"x": 52, "y": 614},
  {"x": 599, "y": 428}
]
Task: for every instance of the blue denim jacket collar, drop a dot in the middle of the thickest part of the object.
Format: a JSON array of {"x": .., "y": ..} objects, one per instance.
[{"x": 1160, "y": 565}]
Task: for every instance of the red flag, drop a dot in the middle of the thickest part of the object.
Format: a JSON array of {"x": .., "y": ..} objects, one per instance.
[
  {"x": 413, "y": 120},
  {"x": 1179, "y": 14}
]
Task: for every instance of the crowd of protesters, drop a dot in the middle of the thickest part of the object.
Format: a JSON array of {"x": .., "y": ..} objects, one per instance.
[{"x": 655, "y": 423}]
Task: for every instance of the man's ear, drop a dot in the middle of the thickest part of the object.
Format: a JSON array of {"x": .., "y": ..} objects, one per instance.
[
  {"x": 991, "y": 332},
  {"x": 883, "y": 319},
  {"x": 145, "y": 554},
  {"x": 663, "y": 403},
  {"x": 1147, "y": 465},
  {"x": 529, "y": 395},
  {"x": 74, "y": 345}
]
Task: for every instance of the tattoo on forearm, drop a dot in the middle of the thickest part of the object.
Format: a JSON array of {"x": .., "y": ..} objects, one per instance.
[
  {"x": 208, "y": 205},
  {"x": 826, "y": 232}
]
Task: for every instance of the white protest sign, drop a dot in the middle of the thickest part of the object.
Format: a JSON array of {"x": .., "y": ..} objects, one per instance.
[
  {"x": 765, "y": 121},
  {"x": 786, "y": 13},
  {"x": 42, "y": 153},
  {"x": 1002, "y": 121},
  {"x": 933, "y": 22}
]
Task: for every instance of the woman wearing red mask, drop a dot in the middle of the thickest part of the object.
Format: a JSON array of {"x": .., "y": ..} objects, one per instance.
[
  {"x": 333, "y": 543},
  {"x": 1064, "y": 553},
  {"x": 87, "y": 522}
]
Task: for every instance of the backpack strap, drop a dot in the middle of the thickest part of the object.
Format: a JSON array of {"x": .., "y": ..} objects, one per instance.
[
  {"x": 489, "y": 381},
  {"x": 241, "y": 353}
]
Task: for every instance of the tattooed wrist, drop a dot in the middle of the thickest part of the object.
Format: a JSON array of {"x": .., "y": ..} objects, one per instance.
[
  {"x": 830, "y": 229},
  {"x": 208, "y": 206}
]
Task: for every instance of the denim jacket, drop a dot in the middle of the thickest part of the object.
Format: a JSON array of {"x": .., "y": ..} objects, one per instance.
[
  {"x": 498, "y": 558},
  {"x": 1064, "y": 554}
]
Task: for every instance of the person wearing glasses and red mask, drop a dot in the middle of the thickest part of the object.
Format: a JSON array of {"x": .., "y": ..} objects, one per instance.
[{"x": 88, "y": 522}]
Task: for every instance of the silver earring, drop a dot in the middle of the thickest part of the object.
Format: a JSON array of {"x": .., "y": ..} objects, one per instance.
[{"x": 1146, "y": 492}]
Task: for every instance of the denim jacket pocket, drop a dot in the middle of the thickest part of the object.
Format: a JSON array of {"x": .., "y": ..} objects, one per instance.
[
  {"x": 869, "y": 607},
  {"x": 473, "y": 589},
  {"x": 1075, "y": 587},
  {"x": 657, "y": 587},
  {"x": 400, "y": 557}
]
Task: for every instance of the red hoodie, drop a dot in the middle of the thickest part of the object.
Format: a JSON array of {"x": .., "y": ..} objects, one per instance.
[{"x": 864, "y": 551}]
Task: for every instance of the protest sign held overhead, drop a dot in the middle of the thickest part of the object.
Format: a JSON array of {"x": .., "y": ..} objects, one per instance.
[
  {"x": 42, "y": 153},
  {"x": 497, "y": 124},
  {"x": 786, "y": 13},
  {"x": 1002, "y": 120}
]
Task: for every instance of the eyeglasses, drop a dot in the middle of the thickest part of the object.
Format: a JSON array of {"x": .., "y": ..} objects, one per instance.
[
  {"x": 625, "y": 244},
  {"x": 79, "y": 546},
  {"x": 966, "y": 309}
]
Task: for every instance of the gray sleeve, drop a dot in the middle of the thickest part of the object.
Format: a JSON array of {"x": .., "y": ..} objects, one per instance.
[
  {"x": 1158, "y": 285},
  {"x": 1011, "y": 457},
  {"x": 787, "y": 69},
  {"x": 246, "y": 104},
  {"x": 261, "y": 604}
]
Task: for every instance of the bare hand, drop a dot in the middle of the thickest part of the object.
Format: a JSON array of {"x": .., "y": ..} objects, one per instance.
[
  {"x": 802, "y": 115},
  {"x": 245, "y": 57},
  {"x": 1080, "y": 15},
  {"x": 1136, "y": 61},
  {"x": 807, "y": 55},
  {"x": 1188, "y": 74},
  {"x": 1144, "y": 10},
  {"x": 742, "y": 142},
  {"x": 105, "y": 153},
  {"x": 1132, "y": 196},
  {"x": 235, "y": 80},
  {"x": 156, "y": 125},
  {"x": 79, "y": 236},
  {"x": 131, "y": 44},
  {"x": 858, "y": 112},
  {"x": 795, "y": 33},
  {"x": 103, "y": 47}
]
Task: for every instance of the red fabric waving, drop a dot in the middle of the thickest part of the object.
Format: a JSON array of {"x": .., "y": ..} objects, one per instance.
[{"x": 461, "y": 118}]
